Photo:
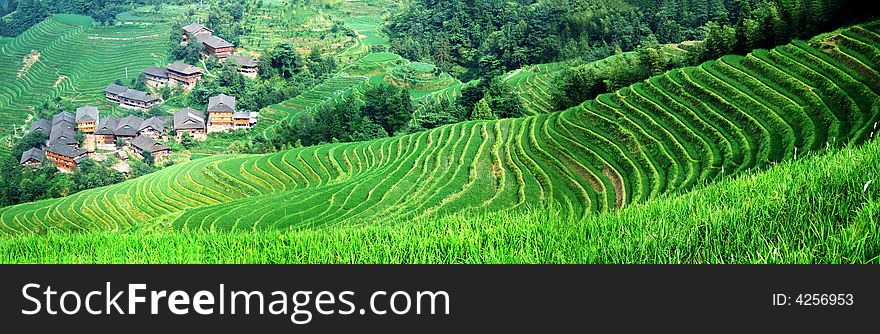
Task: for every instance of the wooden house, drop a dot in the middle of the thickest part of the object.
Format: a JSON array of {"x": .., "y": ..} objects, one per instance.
[
  {"x": 190, "y": 121},
  {"x": 87, "y": 119},
  {"x": 220, "y": 113},
  {"x": 66, "y": 157},
  {"x": 33, "y": 158}
]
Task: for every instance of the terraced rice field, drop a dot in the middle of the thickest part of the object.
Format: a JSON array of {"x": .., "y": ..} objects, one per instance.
[
  {"x": 302, "y": 27},
  {"x": 374, "y": 64},
  {"x": 331, "y": 91},
  {"x": 534, "y": 85},
  {"x": 65, "y": 56},
  {"x": 662, "y": 136}
]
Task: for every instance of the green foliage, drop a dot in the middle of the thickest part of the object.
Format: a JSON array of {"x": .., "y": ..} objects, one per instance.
[
  {"x": 482, "y": 111},
  {"x": 282, "y": 60},
  {"x": 437, "y": 113},
  {"x": 388, "y": 106},
  {"x": 820, "y": 214}
]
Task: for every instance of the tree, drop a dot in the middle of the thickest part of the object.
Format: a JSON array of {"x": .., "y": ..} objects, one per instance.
[
  {"x": 482, "y": 111},
  {"x": 720, "y": 41},
  {"x": 389, "y": 106},
  {"x": 284, "y": 60},
  {"x": 439, "y": 112},
  {"x": 503, "y": 102},
  {"x": 187, "y": 140}
]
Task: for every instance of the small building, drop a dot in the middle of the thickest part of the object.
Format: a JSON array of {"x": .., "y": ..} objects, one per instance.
[
  {"x": 87, "y": 119},
  {"x": 183, "y": 74},
  {"x": 220, "y": 113},
  {"x": 135, "y": 99},
  {"x": 63, "y": 130},
  {"x": 156, "y": 76},
  {"x": 105, "y": 134},
  {"x": 114, "y": 91},
  {"x": 248, "y": 67},
  {"x": 244, "y": 120},
  {"x": 190, "y": 121},
  {"x": 146, "y": 144},
  {"x": 216, "y": 46},
  {"x": 130, "y": 98},
  {"x": 66, "y": 157},
  {"x": 33, "y": 158},
  {"x": 194, "y": 30},
  {"x": 43, "y": 125},
  {"x": 128, "y": 127},
  {"x": 153, "y": 127}
]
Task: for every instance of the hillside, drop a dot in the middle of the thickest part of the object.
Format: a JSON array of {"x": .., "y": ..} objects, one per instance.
[
  {"x": 65, "y": 56},
  {"x": 813, "y": 210},
  {"x": 663, "y": 136}
]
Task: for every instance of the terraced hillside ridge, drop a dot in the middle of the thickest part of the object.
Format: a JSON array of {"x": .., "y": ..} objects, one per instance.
[
  {"x": 330, "y": 91},
  {"x": 65, "y": 56},
  {"x": 662, "y": 136}
]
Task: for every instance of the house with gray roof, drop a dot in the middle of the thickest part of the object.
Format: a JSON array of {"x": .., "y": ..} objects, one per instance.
[
  {"x": 153, "y": 127},
  {"x": 66, "y": 157},
  {"x": 146, "y": 144},
  {"x": 190, "y": 121},
  {"x": 248, "y": 67},
  {"x": 220, "y": 111},
  {"x": 184, "y": 74},
  {"x": 32, "y": 158},
  {"x": 216, "y": 46},
  {"x": 127, "y": 127},
  {"x": 105, "y": 134},
  {"x": 156, "y": 76},
  {"x": 87, "y": 119},
  {"x": 194, "y": 30},
  {"x": 130, "y": 98},
  {"x": 43, "y": 125},
  {"x": 63, "y": 130}
]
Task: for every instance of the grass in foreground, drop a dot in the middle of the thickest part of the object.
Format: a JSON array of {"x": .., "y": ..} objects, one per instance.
[{"x": 820, "y": 209}]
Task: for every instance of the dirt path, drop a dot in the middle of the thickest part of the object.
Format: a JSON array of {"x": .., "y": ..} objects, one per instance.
[{"x": 28, "y": 61}]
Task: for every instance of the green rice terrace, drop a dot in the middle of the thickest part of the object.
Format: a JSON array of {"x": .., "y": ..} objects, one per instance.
[
  {"x": 65, "y": 56},
  {"x": 657, "y": 138}
]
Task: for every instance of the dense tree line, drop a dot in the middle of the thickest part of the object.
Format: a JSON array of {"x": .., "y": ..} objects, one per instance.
[
  {"x": 756, "y": 24},
  {"x": 385, "y": 111},
  {"x": 469, "y": 38}
]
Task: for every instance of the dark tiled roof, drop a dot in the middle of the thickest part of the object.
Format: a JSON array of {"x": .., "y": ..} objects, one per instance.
[
  {"x": 221, "y": 103},
  {"x": 137, "y": 95},
  {"x": 115, "y": 89},
  {"x": 107, "y": 126},
  {"x": 63, "y": 129},
  {"x": 217, "y": 42},
  {"x": 245, "y": 61},
  {"x": 128, "y": 126},
  {"x": 145, "y": 143},
  {"x": 183, "y": 68},
  {"x": 155, "y": 122},
  {"x": 43, "y": 125},
  {"x": 193, "y": 28},
  {"x": 189, "y": 119},
  {"x": 32, "y": 154},
  {"x": 67, "y": 151},
  {"x": 63, "y": 117},
  {"x": 87, "y": 114},
  {"x": 156, "y": 71}
]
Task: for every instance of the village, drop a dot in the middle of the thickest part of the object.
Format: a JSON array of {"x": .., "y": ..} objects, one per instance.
[{"x": 73, "y": 137}]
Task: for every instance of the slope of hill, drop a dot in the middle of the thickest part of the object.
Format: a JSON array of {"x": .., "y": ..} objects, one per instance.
[
  {"x": 818, "y": 209},
  {"x": 662, "y": 136},
  {"x": 65, "y": 56}
]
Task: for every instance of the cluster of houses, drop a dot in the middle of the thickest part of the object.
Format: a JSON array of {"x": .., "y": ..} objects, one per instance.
[
  {"x": 219, "y": 47},
  {"x": 132, "y": 133},
  {"x": 137, "y": 135}
]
